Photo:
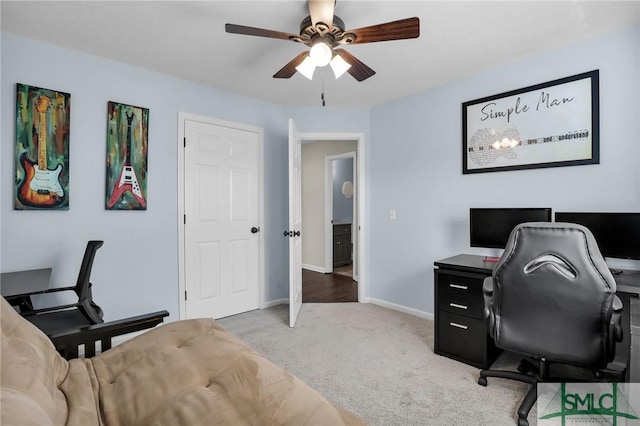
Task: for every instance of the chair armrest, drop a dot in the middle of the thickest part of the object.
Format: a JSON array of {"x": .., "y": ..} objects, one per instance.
[
  {"x": 37, "y": 292},
  {"x": 56, "y": 289},
  {"x": 616, "y": 314},
  {"x": 487, "y": 292},
  {"x": 615, "y": 328},
  {"x": 24, "y": 302},
  {"x": 67, "y": 342},
  {"x": 487, "y": 286}
]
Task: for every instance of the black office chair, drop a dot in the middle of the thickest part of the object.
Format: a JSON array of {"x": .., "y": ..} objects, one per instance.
[
  {"x": 58, "y": 318},
  {"x": 552, "y": 298}
]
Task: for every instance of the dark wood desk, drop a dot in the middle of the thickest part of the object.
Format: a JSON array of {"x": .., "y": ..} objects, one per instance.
[
  {"x": 460, "y": 329},
  {"x": 20, "y": 283}
]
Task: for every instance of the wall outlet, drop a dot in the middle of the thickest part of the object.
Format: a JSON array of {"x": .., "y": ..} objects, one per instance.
[{"x": 392, "y": 214}]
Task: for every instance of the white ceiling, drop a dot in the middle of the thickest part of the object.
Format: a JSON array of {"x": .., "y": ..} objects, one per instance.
[{"x": 187, "y": 39}]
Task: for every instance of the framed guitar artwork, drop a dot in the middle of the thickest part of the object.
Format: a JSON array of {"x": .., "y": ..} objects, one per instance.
[
  {"x": 42, "y": 149},
  {"x": 127, "y": 146}
]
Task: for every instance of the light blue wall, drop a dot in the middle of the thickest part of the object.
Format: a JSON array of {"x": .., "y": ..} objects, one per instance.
[
  {"x": 137, "y": 268},
  {"x": 416, "y": 164}
]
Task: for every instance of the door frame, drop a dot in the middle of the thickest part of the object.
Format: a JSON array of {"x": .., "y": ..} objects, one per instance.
[
  {"x": 182, "y": 117},
  {"x": 361, "y": 232},
  {"x": 328, "y": 210}
]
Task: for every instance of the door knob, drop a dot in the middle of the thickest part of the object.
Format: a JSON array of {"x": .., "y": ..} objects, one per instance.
[{"x": 254, "y": 230}]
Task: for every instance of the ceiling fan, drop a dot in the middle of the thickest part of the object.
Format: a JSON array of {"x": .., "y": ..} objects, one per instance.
[{"x": 325, "y": 35}]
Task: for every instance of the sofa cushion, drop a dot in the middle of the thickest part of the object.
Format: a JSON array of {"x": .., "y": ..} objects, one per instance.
[
  {"x": 39, "y": 387},
  {"x": 184, "y": 373},
  {"x": 195, "y": 372}
]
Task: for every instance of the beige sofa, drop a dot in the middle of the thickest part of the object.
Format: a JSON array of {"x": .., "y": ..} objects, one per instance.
[{"x": 189, "y": 372}]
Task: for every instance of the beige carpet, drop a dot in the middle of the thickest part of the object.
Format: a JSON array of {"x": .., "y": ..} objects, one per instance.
[{"x": 379, "y": 364}]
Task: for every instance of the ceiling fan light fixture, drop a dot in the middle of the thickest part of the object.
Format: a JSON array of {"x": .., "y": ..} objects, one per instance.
[
  {"x": 306, "y": 68},
  {"x": 339, "y": 66},
  {"x": 320, "y": 53}
]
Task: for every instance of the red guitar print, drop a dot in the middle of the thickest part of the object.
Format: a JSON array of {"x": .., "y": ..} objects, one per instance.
[
  {"x": 127, "y": 182},
  {"x": 40, "y": 186}
]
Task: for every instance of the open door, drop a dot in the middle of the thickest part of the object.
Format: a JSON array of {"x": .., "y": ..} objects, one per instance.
[{"x": 295, "y": 223}]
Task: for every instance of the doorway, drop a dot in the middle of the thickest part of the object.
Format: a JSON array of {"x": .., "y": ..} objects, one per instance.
[
  {"x": 295, "y": 215},
  {"x": 329, "y": 220}
]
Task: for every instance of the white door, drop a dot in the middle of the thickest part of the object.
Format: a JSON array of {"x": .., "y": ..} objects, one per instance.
[
  {"x": 221, "y": 191},
  {"x": 295, "y": 223}
]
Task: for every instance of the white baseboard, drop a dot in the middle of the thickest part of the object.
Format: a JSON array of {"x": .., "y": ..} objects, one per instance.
[
  {"x": 272, "y": 303},
  {"x": 314, "y": 268},
  {"x": 383, "y": 303},
  {"x": 401, "y": 308}
]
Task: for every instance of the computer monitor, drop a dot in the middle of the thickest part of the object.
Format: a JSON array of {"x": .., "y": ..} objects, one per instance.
[
  {"x": 491, "y": 227},
  {"x": 617, "y": 234}
]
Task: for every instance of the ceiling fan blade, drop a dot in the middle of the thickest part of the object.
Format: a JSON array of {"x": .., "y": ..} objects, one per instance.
[
  {"x": 396, "y": 30},
  {"x": 358, "y": 69},
  {"x": 260, "y": 32},
  {"x": 322, "y": 11},
  {"x": 290, "y": 69}
]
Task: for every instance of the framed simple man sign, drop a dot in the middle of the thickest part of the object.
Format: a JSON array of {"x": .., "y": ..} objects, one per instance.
[{"x": 547, "y": 125}]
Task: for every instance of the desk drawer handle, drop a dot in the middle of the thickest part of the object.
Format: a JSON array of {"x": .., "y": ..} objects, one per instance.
[
  {"x": 459, "y": 286},
  {"x": 455, "y": 305},
  {"x": 455, "y": 324}
]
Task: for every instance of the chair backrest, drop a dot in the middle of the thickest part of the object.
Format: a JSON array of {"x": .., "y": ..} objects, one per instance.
[
  {"x": 553, "y": 294},
  {"x": 87, "y": 306},
  {"x": 84, "y": 276}
]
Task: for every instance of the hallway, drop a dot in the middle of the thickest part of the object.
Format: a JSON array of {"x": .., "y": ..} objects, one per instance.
[{"x": 338, "y": 286}]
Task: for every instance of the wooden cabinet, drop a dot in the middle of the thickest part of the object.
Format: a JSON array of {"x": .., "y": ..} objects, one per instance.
[
  {"x": 341, "y": 244},
  {"x": 460, "y": 328}
]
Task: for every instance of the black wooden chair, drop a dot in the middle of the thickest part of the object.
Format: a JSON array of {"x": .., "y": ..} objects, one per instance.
[
  {"x": 79, "y": 325},
  {"x": 83, "y": 312}
]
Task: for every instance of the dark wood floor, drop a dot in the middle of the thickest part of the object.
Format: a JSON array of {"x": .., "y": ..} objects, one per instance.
[{"x": 328, "y": 288}]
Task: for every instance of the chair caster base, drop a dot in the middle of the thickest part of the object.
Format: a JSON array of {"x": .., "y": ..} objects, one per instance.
[
  {"x": 523, "y": 422},
  {"x": 482, "y": 381}
]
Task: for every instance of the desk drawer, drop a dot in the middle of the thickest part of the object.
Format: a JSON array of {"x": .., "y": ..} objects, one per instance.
[
  {"x": 462, "y": 337},
  {"x": 460, "y": 285},
  {"x": 461, "y": 304}
]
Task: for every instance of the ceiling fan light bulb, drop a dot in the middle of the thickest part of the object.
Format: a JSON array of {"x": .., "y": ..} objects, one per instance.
[
  {"x": 339, "y": 66},
  {"x": 320, "y": 54},
  {"x": 306, "y": 68}
]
